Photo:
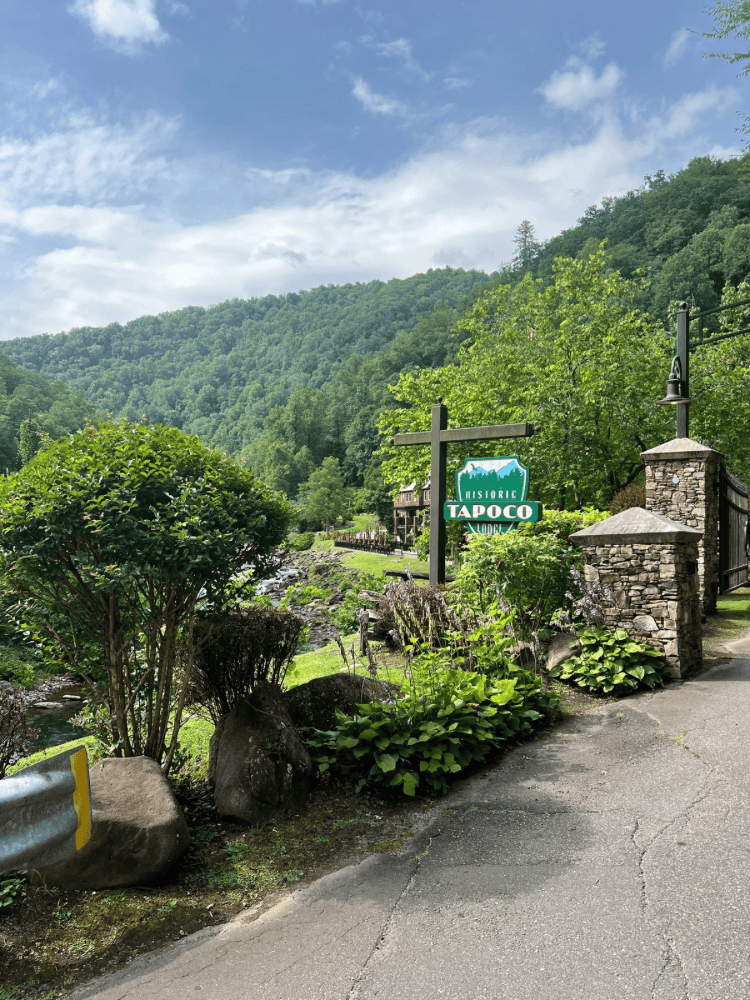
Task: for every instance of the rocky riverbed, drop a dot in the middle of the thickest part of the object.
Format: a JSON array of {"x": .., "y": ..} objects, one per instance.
[{"x": 304, "y": 569}]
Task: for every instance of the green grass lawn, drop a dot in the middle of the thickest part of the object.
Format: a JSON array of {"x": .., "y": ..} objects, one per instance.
[
  {"x": 735, "y": 607},
  {"x": 361, "y": 522},
  {"x": 373, "y": 562}
]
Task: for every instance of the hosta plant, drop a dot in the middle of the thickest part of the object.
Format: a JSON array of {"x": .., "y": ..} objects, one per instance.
[
  {"x": 612, "y": 662},
  {"x": 449, "y": 719}
]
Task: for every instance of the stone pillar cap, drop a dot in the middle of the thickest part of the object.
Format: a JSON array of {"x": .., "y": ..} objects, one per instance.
[
  {"x": 636, "y": 526},
  {"x": 680, "y": 448}
]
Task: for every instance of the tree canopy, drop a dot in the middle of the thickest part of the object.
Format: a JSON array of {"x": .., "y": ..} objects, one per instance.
[
  {"x": 572, "y": 356},
  {"x": 32, "y": 405},
  {"x": 115, "y": 534}
]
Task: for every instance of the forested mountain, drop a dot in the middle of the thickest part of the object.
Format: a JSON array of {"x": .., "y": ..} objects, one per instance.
[
  {"x": 220, "y": 372},
  {"x": 287, "y": 380},
  {"x": 30, "y": 404},
  {"x": 689, "y": 232}
]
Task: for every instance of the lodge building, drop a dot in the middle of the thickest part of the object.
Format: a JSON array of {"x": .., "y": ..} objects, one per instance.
[{"x": 410, "y": 511}]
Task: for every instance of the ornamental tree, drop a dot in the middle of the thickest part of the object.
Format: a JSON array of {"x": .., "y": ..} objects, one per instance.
[{"x": 116, "y": 535}]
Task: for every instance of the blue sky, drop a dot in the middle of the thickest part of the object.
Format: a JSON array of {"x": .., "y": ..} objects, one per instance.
[{"x": 162, "y": 153}]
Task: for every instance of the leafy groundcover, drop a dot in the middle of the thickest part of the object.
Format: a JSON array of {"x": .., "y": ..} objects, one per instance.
[
  {"x": 612, "y": 662},
  {"x": 448, "y": 719}
]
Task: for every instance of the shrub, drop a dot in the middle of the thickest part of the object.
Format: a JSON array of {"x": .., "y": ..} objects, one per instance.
[
  {"x": 124, "y": 530},
  {"x": 18, "y": 666},
  {"x": 238, "y": 650},
  {"x": 345, "y": 616},
  {"x": 562, "y": 523},
  {"x": 629, "y": 496},
  {"x": 412, "y": 615},
  {"x": 448, "y": 719},
  {"x": 300, "y": 542},
  {"x": 529, "y": 572},
  {"x": 612, "y": 662}
]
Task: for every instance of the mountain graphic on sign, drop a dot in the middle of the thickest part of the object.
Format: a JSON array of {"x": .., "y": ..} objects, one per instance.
[{"x": 480, "y": 479}]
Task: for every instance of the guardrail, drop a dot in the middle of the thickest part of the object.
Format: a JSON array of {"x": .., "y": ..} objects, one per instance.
[{"x": 45, "y": 811}]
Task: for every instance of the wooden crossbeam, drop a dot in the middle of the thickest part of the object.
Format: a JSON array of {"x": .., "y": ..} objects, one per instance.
[
  {"x": 438, "y": 437},
  {"x": 452, "y": 434}
]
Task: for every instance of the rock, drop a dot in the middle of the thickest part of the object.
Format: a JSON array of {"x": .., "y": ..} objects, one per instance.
[
  {"x": 72, "y": 697},
  {"x": 258, "y": 763},
  {"x": 562, "y": 647},
  {"x": 51, "y": 705},
  {"x": 645, "y": 623},
  {"x": 138, "y": 829},
  {"x": 6, "y": 686},
  {"x": 315, "y": 703},
  {"x": 523, "y": 654}
]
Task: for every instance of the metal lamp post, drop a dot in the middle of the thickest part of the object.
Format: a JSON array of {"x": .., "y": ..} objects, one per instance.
[{"x": 679, "y": 376}]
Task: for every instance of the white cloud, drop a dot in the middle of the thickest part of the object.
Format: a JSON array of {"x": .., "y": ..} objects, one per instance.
[
  {"x": 400, "y": 48},
  {"x": 44, "y": 87},
  {"x": 456, "y": 83},
  {"x": 86, "y": 160},
  {"x": 377, "y": 104},
  {"x": 593, "y": 46},
  {"x": 677, "y": 46},
  {"x": 578, "y": 86},
  {"x": 89, "y": 235},
  {"x": 122, "y": 24},
  {"x": 681, "y": 116}
]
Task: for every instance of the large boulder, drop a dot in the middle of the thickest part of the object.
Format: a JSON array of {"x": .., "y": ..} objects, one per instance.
[
  {"x": 138, "y": 829},
  {"x": 315, "y": 703},
  {"x": 258, "y": 764},
  {"x": 563, "y": 646}
]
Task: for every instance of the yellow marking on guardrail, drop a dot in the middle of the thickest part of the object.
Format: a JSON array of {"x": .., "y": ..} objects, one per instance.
[{"x": 80, "y": 767}]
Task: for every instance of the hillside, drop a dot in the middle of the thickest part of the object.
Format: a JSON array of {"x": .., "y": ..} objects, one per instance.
[
  {"x": 31, "y": 403},
  {"x": 285, "y": 381},
  {"x": 689, "y": 232},
  {"x": 218, "y": 372}
]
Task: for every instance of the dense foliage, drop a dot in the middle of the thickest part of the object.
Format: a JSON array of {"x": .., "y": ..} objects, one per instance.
[
  {"x": 447, "y": 720},
  {"x": 303, "y": 371},
  {"x": 612, "y": 662},
  {"x": 120, "y": 530},
  {"x": 529, "y": 572},
  {"x": 573, "y": 357},
  {"x": 30, "y": 406},
  {"x": 239, "y": 649}
]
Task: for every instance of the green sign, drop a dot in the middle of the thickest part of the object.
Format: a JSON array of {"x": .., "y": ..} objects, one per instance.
[{"x": 491, "y": 496}]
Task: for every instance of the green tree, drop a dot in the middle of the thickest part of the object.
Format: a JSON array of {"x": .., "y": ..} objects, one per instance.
[
  {"x": 720, "y": 386},
  {"x": 574, "y": 357},
  {"x": 527, "y": 248},
  {"x": 126, "y": 530},
  {"x": 324, "y": 497},
  {"x": 733, "y": 19}
]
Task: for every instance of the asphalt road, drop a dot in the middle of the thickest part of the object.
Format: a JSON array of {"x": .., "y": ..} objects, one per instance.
[{"x": 608, "y": 861}]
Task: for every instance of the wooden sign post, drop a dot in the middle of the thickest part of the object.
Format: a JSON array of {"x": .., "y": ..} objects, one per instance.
[{"x": 438, "y": 438}]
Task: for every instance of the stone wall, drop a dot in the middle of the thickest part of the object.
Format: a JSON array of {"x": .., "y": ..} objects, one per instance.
[
  {"x": 682, "y": 483},
  {"x": 650, "y": 565}
]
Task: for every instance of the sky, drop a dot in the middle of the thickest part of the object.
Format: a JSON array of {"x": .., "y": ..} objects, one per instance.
[{"x": 156, "y": 154}]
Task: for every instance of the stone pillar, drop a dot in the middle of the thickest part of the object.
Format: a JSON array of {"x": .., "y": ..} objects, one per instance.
[
  {"x": 650, "y": 565},
  {"x": 682, "y": 483}
]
